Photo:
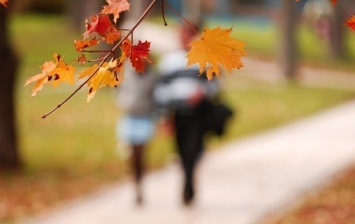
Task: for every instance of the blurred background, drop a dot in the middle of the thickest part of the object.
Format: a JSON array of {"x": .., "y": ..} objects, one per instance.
[{"x": 300, "y": 60}]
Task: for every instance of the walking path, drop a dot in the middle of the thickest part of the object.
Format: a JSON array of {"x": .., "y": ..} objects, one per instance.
[{"x": 240, "y": 183}]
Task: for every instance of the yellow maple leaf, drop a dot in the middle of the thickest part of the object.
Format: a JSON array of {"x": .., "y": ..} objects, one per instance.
[
  {"x": 103, "y": 76},
  {"x": 88, "y": 71},
  {"x": 40, "y": 80},
  {"x": 216, "y": 48},
  {"x": 56, "y": 71},
  {"x": 63, "y": 72}
]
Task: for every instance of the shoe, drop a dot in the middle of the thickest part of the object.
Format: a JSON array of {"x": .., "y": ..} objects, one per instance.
[{"x": 188, "y": 195}]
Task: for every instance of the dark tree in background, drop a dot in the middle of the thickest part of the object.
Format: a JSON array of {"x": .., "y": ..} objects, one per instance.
[
  {"x": 337, "y": 45},
  {"x": 288, "y": 46},
  {"x": 9, "y": 155},
  {"x": 79, "y": 10}
]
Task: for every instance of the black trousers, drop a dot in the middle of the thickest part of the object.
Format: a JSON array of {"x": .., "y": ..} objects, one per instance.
[{"x": 190, "y": 130}]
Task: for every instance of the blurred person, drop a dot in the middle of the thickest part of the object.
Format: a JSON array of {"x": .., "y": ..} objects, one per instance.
[
  {"x": 187, "y": 101},
  {"x": 319, "y": 16},
  {"x": 136, "y": 125}
]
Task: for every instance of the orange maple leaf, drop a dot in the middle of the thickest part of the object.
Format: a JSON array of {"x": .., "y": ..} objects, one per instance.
[
  {"x": 126, "y": 47},
  {"x": 140, "y": 54},
  {"x": 115, "y": 7},
  {"x": 215, "y": 48},
  {"x": 82, "y": 44},
  {"x": 102, "y": 25},
  {"x": 82, "y": 59},
  {"x": 351, "y": 23}
]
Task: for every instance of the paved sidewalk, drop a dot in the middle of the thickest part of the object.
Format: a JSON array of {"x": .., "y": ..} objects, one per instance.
[{"x": 238, "y": 184}]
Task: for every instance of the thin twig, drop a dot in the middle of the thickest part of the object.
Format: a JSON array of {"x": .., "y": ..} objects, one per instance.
[
  {"x": 163, "y": 13},
  {"x": 76, "y": 90},
  {"x": 104, "y": 59},
  {"x": 96, "y": 51},
  {"x": 183, "y": 18}
]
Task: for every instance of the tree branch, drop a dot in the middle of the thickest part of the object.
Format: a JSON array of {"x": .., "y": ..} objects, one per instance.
[{"x": 104, "y": 59}]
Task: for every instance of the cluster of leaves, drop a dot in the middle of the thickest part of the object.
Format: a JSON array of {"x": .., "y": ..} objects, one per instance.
[
  {"x": 213, "y": 49},
  {"x": 106, "y": 70}
]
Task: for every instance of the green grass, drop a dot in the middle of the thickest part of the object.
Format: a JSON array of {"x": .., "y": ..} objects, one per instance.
[
  {"x": 259, "y": 109},
  {"x": 78, "y": 140}
]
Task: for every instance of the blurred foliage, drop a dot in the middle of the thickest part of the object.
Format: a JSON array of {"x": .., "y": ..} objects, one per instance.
[{"x": 42, "y": 6}]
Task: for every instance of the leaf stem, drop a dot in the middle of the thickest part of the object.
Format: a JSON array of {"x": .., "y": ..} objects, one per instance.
[
  {"x": 179, "y": 15},
  {"x": 96, "y": 51},
  {"x": 163, "y": 13}
]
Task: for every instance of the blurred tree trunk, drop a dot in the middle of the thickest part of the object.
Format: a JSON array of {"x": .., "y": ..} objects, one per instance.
[
  {"x": 191, "y": 8},
  {"x": 337, "y": 39},
  {"x": 288, "y": 46},
  {"x": 9, "y": 157},
  {"x": 136, "y": 10},
  {"x": 80, "y": 10}
]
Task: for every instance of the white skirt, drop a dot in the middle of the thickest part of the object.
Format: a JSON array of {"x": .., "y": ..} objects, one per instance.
[{"x": 135, "y": 130}]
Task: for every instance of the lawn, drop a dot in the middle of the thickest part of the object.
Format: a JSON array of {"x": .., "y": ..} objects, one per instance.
[{"x": 74, "y": 151}]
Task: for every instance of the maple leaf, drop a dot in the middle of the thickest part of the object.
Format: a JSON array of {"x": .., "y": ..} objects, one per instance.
[
  {"x": 102, "y": 25},
  {"x": 56, "y": 71},
  {"x": 82, "y": 44},
  {"x": 214, "y": 48},
  {"x": 82, "y": 59},
  {"x": 4, "y": 2},
  {"x": 63, "y": 72},
  {"x": 140, "y": 54},
  {"x": 103, "y": 76},
  {"x": 351, "y": 23},
  {"x": 126, "y": 47},
  {"x": 43, "y": 77},
  {"x": 115, "y": 7}
]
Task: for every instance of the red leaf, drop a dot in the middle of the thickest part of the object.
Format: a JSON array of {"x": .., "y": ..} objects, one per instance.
[
  {"x": 139, "y": 54},
  {"x": 4, "y": 2},
  {"x": 351, "y": 23},
  {"x": 334, "y": 1},
  {"x": 82, "y": 59},
  {"x": 102, "y": 25}
]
